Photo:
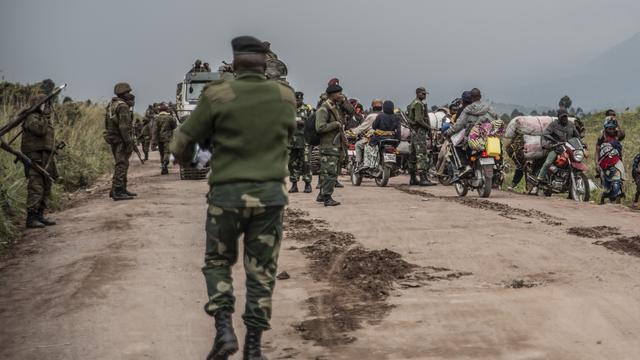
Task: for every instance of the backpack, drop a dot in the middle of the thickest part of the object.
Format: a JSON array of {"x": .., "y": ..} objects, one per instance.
[{"x": 311, "y": 135}]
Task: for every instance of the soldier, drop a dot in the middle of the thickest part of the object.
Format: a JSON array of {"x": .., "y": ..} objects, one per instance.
[
  {"x": 247, "y": 192},
  {"x": 118, "y": 136},
  {"x": 38, "y": 144},
  {"x": 329, "y": 127},
  {"x": 145, "y": 136},
  {"x": 420, "y": 129},
  {"x": 299, "y": 151},
  {"x": 165, "y": 125},
  {"x": 197, "y": 67},
  {"x": 137, "y": 130}
]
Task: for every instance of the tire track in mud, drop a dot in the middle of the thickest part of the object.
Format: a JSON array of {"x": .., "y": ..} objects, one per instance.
[
  {"x": 504, "y": 210},
  {"x": 360, "y": 280}
]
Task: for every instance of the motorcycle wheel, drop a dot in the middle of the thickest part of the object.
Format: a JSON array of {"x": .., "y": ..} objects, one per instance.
[
  {"x": 383, "y": 179},
  {"x": 461, "y": 189},
  {"x": 485, "y": 190},
  {"x": 356, "y": 178},
  {"x": 445, "y": 178},
  {"x": 580, "y": 188}
]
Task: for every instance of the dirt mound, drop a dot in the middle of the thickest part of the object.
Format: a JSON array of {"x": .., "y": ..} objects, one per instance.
[
  {"x": 360, "y": 280},
  {"x": 595, "y": 232},
  {"x": 629, "y": 245},
  {"x": 503, "y": 210}
]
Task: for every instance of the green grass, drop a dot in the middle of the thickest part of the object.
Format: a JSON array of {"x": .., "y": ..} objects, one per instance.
[
  {"x": 85, "y": 158},
  {"x": 630, "y": 122}
]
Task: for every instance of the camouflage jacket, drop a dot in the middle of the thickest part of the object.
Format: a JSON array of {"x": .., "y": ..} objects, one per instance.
[
  {"x": 165, "y": 124},
  {"x": 117, "y": 122},
  {"x": 328, "y": 125},
  {"x": 249, "y": 122},
  {"x": 302, "y": 114},
  {"x": 418, "y": 116},
  {"x": 38, "y": 133}
]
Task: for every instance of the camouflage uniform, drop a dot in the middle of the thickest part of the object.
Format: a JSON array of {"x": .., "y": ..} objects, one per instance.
[
  {"x": 247, "y": 194},
  {"x": 165, "y": 124},
  {"x": 328, "y": 125},
  {"x": 38, "y": 144},
  {"x": 420, "y": 129},
  {"x": 145, "y": 136},
  {"x": 299, "y": 151},
  {"x": 118, "y": 136}
]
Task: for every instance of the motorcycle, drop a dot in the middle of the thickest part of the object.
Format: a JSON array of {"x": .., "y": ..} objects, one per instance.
[
  {"x": 479, "y": 178},
  {"x": 381, "y": 163},
  {"x": 567, "y": 174},
  {"x": 611, "y": 172}
]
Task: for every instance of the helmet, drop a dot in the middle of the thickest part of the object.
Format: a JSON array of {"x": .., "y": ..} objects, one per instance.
[
  {"x": 610, "y": 124},
  {"x": 198, "y": 62},
  {"x": 121, "y": 88}
]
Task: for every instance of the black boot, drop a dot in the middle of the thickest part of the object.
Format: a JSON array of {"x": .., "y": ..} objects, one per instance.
[
  {"x": 33, "y": 222},
  {"x": 307, "y": 187},
  {"x": 328, "y": 201},
  {"x": 294, "y": 188},
  {"x": 226, "y": 342},
  {"x": 252, "y": 345},
  {"x": 320, "y": 198},
  {"x": 146, "y": 155},
  {"x": 413, "y": 180},
  {"x": 165, "y": 169},
  {"x": 40, "y": 217},
  {"x": 132, "y": 194},
  {"x": 119, "y": 194},
  {"x": 424, "y": 181}
]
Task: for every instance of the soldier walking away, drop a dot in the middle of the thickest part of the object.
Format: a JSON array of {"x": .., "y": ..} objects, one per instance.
[
  {"x": 420, "y": 129},
  {"x": 166, "y": 123},
  {"x": 118, "y": 135},
  {"x": 299, "y": 151},
  {"x": 329, "y": 127},
  {"x": 38, "y": 144},
  {"x": 247, "y": 190},
  {"x": 145, "y": 132}
]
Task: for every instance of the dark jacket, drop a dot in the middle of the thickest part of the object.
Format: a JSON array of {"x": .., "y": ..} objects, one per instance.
[
  {"x": 557, "y": 133},
  {"x": 387, "y": 121}
]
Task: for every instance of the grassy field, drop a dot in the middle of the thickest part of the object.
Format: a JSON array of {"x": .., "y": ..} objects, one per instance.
[
  {"x": 84, "y": 159},
  {"x": 630, "y": 121}
]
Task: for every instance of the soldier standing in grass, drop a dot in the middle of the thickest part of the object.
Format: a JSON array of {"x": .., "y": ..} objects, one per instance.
[
  {"x": 38, "y": 144},
  {"x": 118, "y": 135},
  {"x": 165, "y": 125},
  {"x": 249, "y": 121}
]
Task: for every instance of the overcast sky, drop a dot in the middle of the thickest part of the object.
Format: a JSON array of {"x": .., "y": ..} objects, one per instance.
[{"x": 377, "y": 48}]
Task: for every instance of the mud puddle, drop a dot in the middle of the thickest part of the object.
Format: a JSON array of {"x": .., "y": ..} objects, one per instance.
[
  {"x": 360, "y": 280},
  {"x": 503, "y": 210},
  {"x": 594, "y": 232},
  {"x": 629, "y": 245}
]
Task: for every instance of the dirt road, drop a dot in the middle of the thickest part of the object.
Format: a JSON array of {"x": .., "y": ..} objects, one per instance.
[{"x": 513, "y": 277}]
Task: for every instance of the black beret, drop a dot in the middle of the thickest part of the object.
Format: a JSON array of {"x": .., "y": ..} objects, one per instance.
[
  {"x": 332, "y": 89},
  {"x": 299, "y": 95},
  {"x": 248, "y": 45}
]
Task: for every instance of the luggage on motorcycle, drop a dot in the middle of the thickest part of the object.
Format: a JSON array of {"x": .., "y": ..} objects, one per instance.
[
  {"x": 311, "y": 135},
  {"x": 493, "y": 146},
  {"x": 370, "y": 157},
  {"x": 532, "y": 149}
]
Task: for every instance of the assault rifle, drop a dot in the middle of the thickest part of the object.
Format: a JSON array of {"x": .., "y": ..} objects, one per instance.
[{"x": 17, "y": 121}]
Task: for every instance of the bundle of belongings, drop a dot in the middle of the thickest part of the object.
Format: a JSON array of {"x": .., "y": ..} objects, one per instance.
[{"x": 523, "y": 137}]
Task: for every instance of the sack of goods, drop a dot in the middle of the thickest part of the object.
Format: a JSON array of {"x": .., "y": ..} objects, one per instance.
[
  {"x": 529, "y": 125},
  {"x": 532, "y": 149},
  {"x": 405, "y": 133},
  {"x": 481, "y": 132}
]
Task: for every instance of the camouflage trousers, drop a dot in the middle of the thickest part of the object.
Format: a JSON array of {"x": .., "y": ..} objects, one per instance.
[
  {"x": 39, "y": 186},
  {"x": 418, "y": 159},
  {"x": 121, "y": 157},
  {"x": 146, "y": 143},
  {"x": 329, "y": 160},
  {"x": 262, "y": 230},
  {"x": 165, "y": 155},
  {"x": 299, "y": 166}
]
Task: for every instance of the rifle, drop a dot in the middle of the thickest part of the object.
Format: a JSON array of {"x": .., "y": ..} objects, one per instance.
[{"x": 18, "y": 120}]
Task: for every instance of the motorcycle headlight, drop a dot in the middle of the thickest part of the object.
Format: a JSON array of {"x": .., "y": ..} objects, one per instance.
[{"x": 578, "y": 155}]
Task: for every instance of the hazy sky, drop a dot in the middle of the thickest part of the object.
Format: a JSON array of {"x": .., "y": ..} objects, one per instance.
[{"x": 377, "y": 48}]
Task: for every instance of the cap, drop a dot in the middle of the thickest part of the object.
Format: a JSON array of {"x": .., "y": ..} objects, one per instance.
[
  {"x": 299, "y": 95},
  {"x": 248, "y": 45},
  {"x": 334, "y": 88}
]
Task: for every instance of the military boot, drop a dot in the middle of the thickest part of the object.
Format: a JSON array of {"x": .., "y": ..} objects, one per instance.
[
  {"x": 307, "y": 187},
  {"x": 294, "y": 188},
  {"x": 328, "y": 201},
  {"x": 226, "y": 342},
  {"x": 33, "y": 222},
  {"x": 320, "y": 198},
  {"x": 413, "y": 180},
  {"x": 252, "y": 345},
  {"x": 119, "y": 194},
  {"x": 40, "y": 217},
  {"x": 165, "y": 169},
  {"x": 424, "y": 181},
  {"x": 146, "y": 155},
  {"x": 132, "y": 194}
]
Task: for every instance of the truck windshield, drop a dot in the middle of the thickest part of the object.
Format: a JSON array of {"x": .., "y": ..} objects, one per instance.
[{"x": 193, "y": 91}]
